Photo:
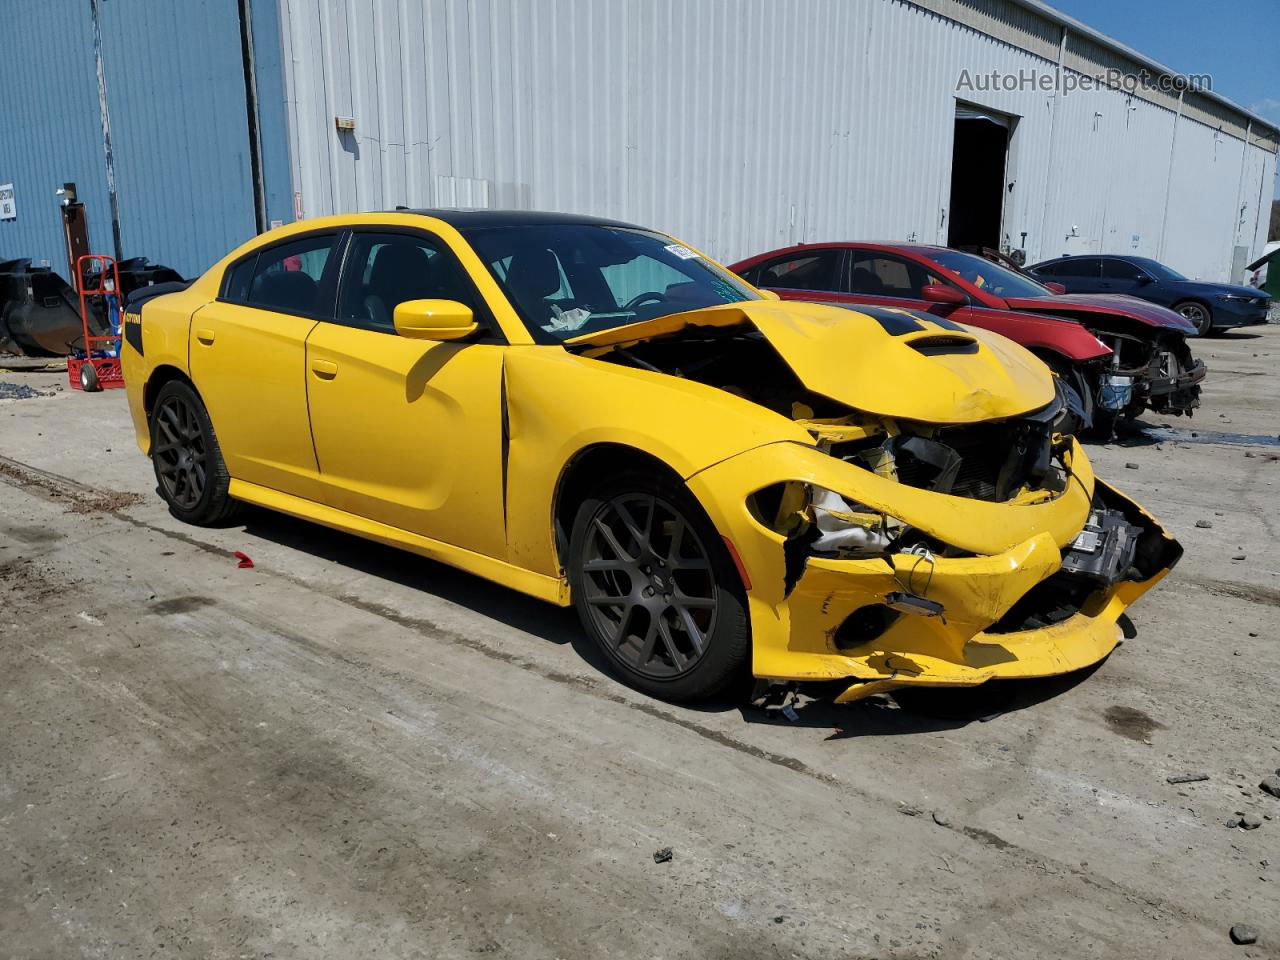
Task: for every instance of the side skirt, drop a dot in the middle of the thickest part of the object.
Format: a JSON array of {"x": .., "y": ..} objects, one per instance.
[{"x": 538, "y": 585}]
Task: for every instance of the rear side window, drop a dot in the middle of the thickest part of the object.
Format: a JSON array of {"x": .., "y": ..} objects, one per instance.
[
  {"x": 1090, "y": 267},
  {"x": 285, "y": 278},
  {"x": 239, "y": 278},
  {"x": 811, "y": 270},
  {"x": 1120, "y": 270}
]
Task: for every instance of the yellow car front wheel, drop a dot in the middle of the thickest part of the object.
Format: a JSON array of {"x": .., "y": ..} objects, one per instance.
[{"x": 656, "y": 589}]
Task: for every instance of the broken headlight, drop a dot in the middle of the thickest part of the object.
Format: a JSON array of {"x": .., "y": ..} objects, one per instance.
[{"x": 849, "y": 529}]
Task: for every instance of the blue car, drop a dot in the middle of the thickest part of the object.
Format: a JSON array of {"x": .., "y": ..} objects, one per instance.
[{"x": 1209, "y": 306}]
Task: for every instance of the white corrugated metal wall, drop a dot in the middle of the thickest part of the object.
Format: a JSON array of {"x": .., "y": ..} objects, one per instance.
[{"x": 741, "y": 125}]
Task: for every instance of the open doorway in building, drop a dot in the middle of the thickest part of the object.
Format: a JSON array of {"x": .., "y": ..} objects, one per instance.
[{"x": 979, "y": 157}]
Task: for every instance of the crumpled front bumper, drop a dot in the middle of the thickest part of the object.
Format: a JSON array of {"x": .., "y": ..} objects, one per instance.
[
  {"x": 799, "y": 624},
  {"x": 1171, "y": 381}
]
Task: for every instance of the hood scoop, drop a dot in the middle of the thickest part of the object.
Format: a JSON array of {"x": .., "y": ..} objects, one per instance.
[
  {"x": 944, "y": 344},
  {"x": 933, "y": 371}
]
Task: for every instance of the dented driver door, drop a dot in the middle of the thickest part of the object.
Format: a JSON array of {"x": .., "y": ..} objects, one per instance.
[{"x": 407, "y": 432}]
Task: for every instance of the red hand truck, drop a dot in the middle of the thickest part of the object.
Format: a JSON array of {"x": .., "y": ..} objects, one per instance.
[{"x": 98, "y": 368}]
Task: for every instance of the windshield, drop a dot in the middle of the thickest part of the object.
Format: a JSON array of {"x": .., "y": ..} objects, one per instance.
[
  {"x": 988, "y": 276},
  {"x": 570, "y": 279},
  {"x": 1156, "y": 269}
]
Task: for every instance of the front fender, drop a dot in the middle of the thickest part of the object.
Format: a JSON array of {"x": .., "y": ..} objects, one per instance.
[
  {"x": 559, "y": 404},
  {"x": 1057, "y": 335}
]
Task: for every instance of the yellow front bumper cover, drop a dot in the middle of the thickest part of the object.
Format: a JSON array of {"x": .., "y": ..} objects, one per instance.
[{"x": 794, "y": 630}]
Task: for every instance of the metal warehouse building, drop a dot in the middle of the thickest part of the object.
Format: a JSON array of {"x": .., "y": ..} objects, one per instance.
[{"x": 738, "y": 125}]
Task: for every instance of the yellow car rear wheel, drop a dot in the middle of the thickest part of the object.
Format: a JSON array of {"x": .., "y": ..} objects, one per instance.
[{"x": 190, "y": 471}]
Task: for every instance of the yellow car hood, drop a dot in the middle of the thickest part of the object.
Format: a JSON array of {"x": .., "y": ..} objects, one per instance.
[{"x": 937, "y": 372}]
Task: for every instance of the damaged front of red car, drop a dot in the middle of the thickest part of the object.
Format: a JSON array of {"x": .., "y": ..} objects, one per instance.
[{"x": 1151, "y": 365}]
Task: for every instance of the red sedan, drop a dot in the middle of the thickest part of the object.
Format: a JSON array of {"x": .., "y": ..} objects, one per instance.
[{"x": 1120, "y": 354}]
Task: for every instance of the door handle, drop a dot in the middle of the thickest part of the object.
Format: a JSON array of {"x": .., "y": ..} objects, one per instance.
[
  {"x": 205, "y": 336},
  {"x": 324, "y": 369}
]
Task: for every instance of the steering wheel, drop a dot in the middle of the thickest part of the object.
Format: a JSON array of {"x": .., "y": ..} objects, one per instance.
[{"x": 642, "y": 298}]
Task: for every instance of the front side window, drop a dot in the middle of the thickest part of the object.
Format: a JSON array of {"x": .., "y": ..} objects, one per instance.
[
  {"x": 1120, "y": 270},
  {"x": 570, "y": 279},
  {"x": 811, "y": 270},
  {"x": 988, "y": 276},
  {"x": 384, "y": 270},
  {"x": 286, "y": 278},
  {"x": 1158, "y": 269}
]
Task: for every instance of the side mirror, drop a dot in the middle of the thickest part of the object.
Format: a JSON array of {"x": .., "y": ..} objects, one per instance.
[
  {"x": 1056, "y": 288},
  {"x": 434, "y": 320},
  {"x": 941, "y": 293},
  {"x": 1142, "y": 279},
  {"x": 769, "y": 295}
]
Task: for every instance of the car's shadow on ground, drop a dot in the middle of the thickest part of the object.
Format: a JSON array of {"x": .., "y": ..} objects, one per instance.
[
  {"x": 508, "y": 607},
  {"x": 1230, "y": 335},
  {"x": 898, "y": 714}
]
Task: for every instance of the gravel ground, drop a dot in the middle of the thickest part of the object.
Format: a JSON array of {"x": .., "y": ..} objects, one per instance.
[{"x": 347, "y": 751}]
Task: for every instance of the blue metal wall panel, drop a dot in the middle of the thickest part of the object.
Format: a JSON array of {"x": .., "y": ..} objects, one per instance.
[
  {"x": 51, "y": 132},
  {"x": 175, "y": 86},
  {"x": 179, "y": 125},
  {"x": 273, "y": 128}
]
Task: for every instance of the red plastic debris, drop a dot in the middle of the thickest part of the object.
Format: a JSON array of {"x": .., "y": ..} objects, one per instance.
[{"x": 245, "y": 563}]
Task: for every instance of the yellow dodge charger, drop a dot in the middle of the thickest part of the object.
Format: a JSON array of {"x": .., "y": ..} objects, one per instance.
[{"x": 593, "y": 413}]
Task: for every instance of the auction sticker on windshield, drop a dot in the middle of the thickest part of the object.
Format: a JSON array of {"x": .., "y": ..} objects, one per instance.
[{"x": 681, "y": 251}]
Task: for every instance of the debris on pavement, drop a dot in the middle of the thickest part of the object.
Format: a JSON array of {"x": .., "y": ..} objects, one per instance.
[
  {"x": 1131, "y": 465},
  {"x": 941, "y": 819},
  {"x": 18, "y": 391},
  {"x": 245, "y": 562},
  {"x": 1204, "y": 524},
  {"x": 662, "y": 856},
  {"x": 1249, "y": 821},
  {"x": 1243, "y": 934},
  {"x": 1271, "y": 785},
  {"x": 1187, "y": 777}
]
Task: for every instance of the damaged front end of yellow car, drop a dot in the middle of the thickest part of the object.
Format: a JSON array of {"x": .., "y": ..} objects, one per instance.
[{"x": 940, "y": 529}]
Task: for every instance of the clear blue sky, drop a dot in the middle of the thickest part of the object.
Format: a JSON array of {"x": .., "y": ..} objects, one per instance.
[{"x": 1235, "y": 41}]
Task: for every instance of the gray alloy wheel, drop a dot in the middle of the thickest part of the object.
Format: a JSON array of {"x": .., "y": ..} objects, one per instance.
[
  {"x": 190, "y": 472},
  {"x": 657, "y": 590},
  {"x": 180, "y": 455},
  {"x": 1199, "y": 316},
  {"x": 649, "y": 585}
]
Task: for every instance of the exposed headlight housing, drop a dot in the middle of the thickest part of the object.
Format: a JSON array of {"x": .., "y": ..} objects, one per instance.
[
  {"x": 850, "y": 529},
  {"x": 1235, "y": 297}
]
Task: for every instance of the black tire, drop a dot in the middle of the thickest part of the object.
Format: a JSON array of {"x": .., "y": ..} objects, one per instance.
[
  {"x": 1199, "y": 314},
  {"x": 656, "y": 589},
  {"x": 89, "y": 378},
  {"x": 190, "y": 471}
]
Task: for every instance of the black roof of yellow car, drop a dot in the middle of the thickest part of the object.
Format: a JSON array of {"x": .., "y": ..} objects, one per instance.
[{"x": 462, "y": 218}]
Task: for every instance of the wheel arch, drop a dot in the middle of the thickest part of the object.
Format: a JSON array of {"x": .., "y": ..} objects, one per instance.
[
  {"x": 160, "y": 376},
  {"x": 1198, "y": 300},
  {"x": 584, "y": 469}
]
